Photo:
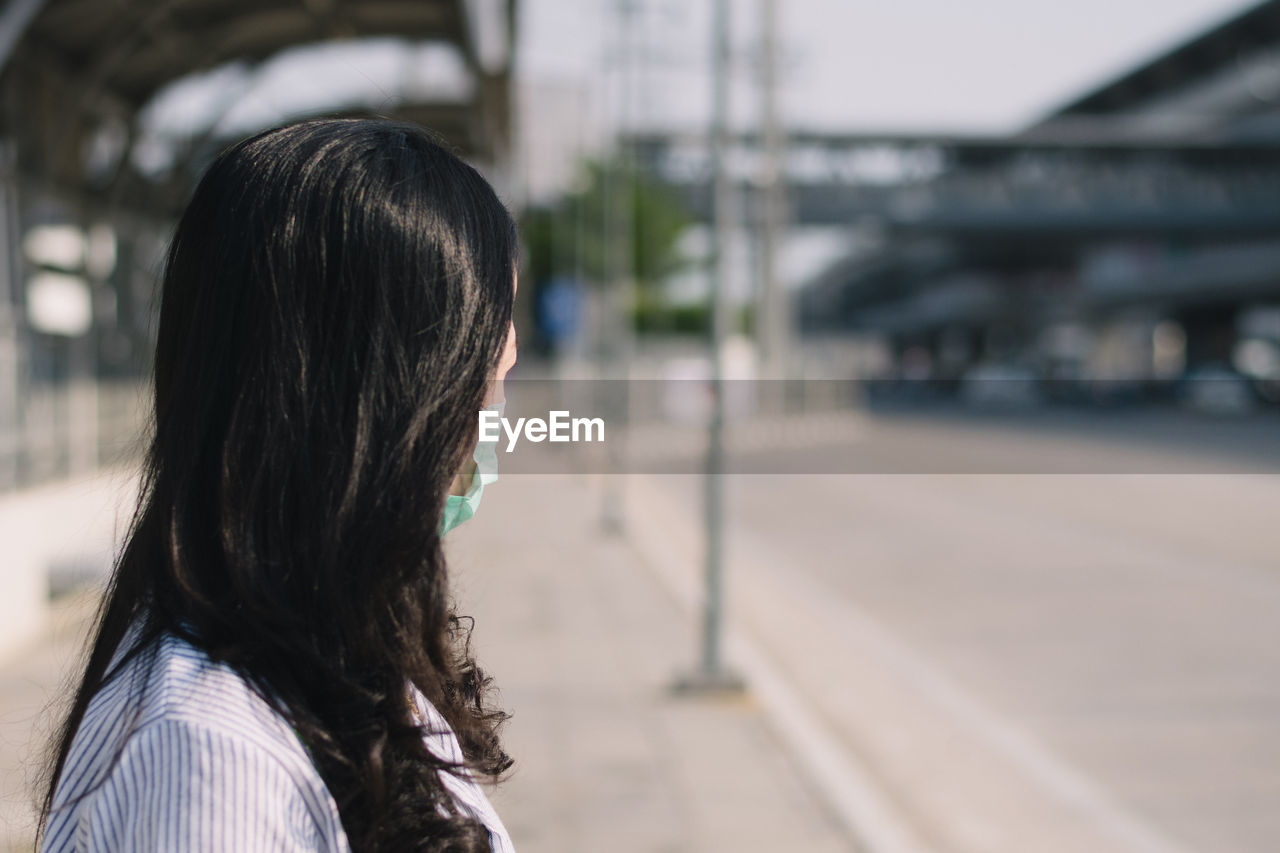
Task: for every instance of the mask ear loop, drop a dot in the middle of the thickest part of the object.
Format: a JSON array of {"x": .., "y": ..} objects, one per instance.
[
  {"x": 461, "y": 508},
  {"x": 486, "y": 452}
]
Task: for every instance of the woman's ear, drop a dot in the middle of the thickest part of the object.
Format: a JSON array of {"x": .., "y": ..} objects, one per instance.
[
  {"x": 505, "y": 363},
  {"x": 508, "y": 358}
]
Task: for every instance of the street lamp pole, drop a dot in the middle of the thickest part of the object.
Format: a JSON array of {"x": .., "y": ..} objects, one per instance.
[
  {"x": 618, "y": 176},
  {"x": 711, "y": 675},
  {"x": 774, "y": 321}
]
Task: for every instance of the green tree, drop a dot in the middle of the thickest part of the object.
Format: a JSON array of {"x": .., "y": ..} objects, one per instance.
[{"x": 617, "y": 207}]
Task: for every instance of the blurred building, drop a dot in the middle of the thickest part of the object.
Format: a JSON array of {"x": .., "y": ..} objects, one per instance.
[
  {"x": 1128, "y": 239},
  {"x": 1131, "y": 235}
]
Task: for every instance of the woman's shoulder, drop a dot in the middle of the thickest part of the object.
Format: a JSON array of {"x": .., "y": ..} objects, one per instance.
[
  {"x": 177, "y": 682},
  {"x": 174, "y": 685},
  {"x": 174, "y": 734}
]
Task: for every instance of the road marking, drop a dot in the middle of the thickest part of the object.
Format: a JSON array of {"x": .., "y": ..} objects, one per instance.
[
  {"x": 1042, "y": 767},
  {"x": 851, "y": 792}
]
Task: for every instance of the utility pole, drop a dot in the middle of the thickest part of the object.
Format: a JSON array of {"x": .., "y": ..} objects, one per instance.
[
  {"x": 711, "y": 675},
  {"x": 619, "y": 192},
  {"x": 773, "y": 327}
]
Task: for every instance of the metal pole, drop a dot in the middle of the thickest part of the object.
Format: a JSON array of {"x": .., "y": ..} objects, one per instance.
[
  {"x": 10, "y": 319},
  {"x": 14, "y": 20},
  {"x": 712, "y": 675},
  {"x": 773, "y": 325},
  {"x": 82, "y": 404},
  {"x": 618, "y": 201}
]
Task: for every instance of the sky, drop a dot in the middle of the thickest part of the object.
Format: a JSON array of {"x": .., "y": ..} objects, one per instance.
[{"x": 982, "y": 66}]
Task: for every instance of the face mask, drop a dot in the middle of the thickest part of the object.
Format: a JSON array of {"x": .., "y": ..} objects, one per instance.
[{"x": 460, "y": 508}]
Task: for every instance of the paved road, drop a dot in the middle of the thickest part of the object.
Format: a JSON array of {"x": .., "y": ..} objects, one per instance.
[{"x": 1029, "y": 661}]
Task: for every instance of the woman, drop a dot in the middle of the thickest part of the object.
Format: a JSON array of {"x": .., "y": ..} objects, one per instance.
[{"x": 276, "y": 665}]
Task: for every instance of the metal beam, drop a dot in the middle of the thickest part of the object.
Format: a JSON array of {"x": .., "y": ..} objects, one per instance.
[
  {"x": 14, "y": 20},
  {"x": 1085, "y": 137}
]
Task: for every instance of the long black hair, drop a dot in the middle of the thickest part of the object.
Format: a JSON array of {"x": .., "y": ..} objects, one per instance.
[{"x": 334, "y": 302}]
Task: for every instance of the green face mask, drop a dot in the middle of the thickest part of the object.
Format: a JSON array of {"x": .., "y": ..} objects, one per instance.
[{"x": 460, "y": 508}]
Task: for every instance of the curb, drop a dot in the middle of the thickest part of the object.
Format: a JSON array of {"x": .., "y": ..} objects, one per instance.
[{"x": 867, "y": 817}]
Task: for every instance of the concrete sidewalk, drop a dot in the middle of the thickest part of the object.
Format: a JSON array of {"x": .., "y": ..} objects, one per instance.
[
  {"x": 57, "y": 536},
  {"x": 31, "y": 706},
  {"x": 583, "y": 643}
]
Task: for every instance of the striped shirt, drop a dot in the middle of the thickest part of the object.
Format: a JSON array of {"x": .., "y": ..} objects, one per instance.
[{"x": 205, "y": 764}]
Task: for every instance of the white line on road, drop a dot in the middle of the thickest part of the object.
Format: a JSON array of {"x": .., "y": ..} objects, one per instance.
[
  {"x": 668, "y": 539},
  {"x": 851, "y": 794},
  {"x": 1040, "y": 766}
]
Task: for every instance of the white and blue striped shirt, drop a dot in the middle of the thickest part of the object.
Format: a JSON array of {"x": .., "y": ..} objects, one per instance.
[{"x": 206, "y": 765}]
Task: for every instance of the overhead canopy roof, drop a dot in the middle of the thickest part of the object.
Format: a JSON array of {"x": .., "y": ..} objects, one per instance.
[
  {"x": 1256, "y": 28},
  {"x": 132, "y": 48},
  {"x": 68, "y": 65}
]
